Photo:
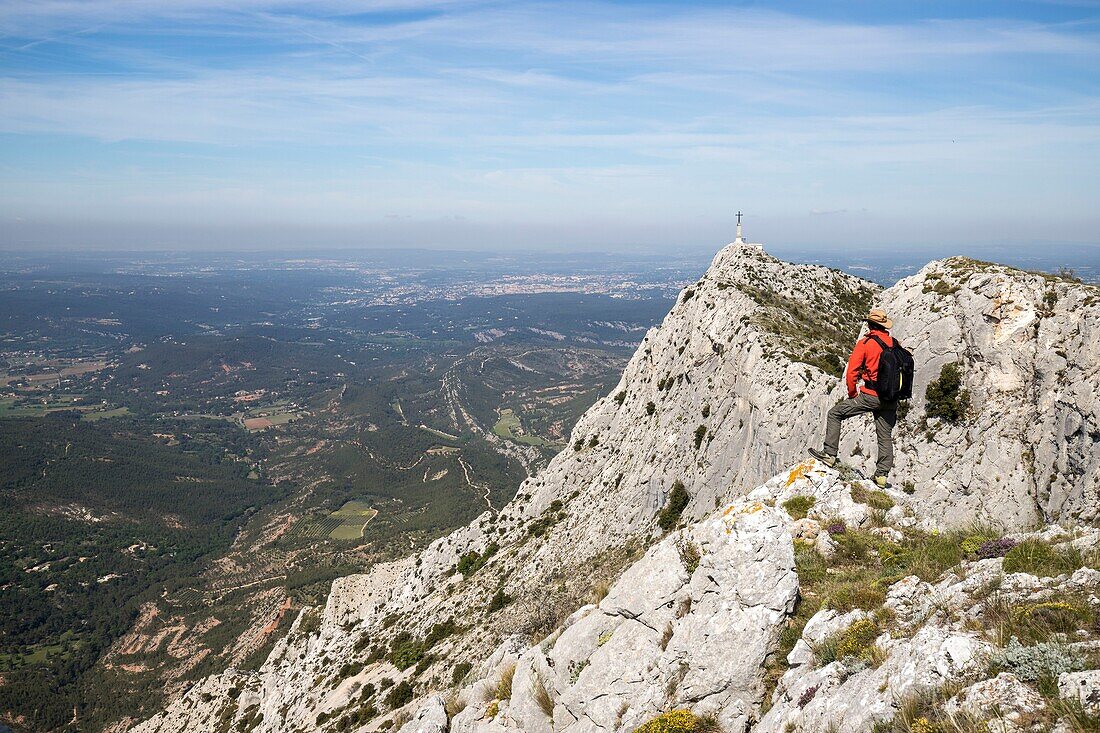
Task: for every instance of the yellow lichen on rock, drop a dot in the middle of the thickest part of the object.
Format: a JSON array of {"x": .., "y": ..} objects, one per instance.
[
  {"x": 734, "y": 512},
  {"x": 799, "y": 471}
]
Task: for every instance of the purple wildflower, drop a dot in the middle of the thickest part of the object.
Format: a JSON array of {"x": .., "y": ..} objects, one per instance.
[
  {"x": 806, "y": 696},
  {"x": 996, "y": 548},
  {"x": 836, "y": 528}
]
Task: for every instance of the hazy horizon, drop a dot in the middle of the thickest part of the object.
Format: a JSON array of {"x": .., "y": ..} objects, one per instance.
[{"x": 499, "y": 125}]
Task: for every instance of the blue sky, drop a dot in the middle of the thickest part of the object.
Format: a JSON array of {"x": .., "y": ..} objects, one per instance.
[{"x": 151, "y": 123}]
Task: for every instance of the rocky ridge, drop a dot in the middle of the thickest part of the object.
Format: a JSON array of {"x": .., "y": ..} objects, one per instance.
[{"x": 711, "y": 404}]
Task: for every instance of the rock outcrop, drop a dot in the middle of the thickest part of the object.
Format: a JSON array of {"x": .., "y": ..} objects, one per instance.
[
  {"x": 730, "y": 389},
  {"x": 1028, "y": 346}
]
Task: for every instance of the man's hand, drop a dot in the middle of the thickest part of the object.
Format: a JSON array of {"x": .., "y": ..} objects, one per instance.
[{"x": 851, "y": 395}]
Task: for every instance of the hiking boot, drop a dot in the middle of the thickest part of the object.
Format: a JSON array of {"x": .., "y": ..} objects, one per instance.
[
  {"x": 824, "y": 457},
  {"x": 882, "y": 483}
]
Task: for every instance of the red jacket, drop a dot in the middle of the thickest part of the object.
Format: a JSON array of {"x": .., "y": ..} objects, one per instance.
[{"x": 863, "y": 363}]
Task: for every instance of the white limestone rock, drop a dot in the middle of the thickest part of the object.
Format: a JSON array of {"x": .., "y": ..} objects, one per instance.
[
  {"x": 1084, "y": 687},
  {"x": 1004, "y": 696},
  {"x": 430, "y": 717}
]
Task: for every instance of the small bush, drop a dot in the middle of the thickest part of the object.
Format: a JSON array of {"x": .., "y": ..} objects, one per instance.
[
  {"x": 700, "y": 434},
  {"x": 972, "y": 544},
  {"x": 400, "y": 694},
  {"x": 499, "y": 600},
  {"x": 620, "y": 397},
  {"x": 679, "y": 721},
  {"x": 472, "y": 561},
  {"x": 690, "y": 555},
  {"x": 944, "y": 398},
  {"x": 650, "y": 408},
  {"x": 996, "y": 548},
  {"x": 854, "y": 642},
  {"x": 678, "y": 500},
  {"x": 405, "y": 651},
  {"x": 1039, "y": 558},
  {"x": 1032, "y": 663},
  {"x": 460, "y": 671},
  {"x": 799, "y": 506}
]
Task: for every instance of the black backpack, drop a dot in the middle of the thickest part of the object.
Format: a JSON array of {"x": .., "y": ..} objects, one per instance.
[{"x": 895, "y": 372}]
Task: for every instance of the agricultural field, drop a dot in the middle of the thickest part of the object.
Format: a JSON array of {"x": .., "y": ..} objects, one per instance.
[
  {"x": 354, "y": 517},
  {"x": 13, "y": 407},
  {"x": 346, "y": 523},
  {"x": 510, "y": 427}
]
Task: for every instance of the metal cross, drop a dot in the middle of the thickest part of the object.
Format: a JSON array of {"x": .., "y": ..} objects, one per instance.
[{"x": 738, "y": 217}]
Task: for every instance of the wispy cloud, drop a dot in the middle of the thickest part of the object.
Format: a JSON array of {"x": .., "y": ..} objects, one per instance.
[{"x": 516, "y": 110}]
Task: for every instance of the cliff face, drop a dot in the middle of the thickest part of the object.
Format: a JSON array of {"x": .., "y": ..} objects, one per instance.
[
  {"x": 1028, "y": 348},
  {"x": 730, "y": 389}
]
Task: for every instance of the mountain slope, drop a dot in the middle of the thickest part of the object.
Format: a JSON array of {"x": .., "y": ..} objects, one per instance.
[{"x": 726, "y": 392}]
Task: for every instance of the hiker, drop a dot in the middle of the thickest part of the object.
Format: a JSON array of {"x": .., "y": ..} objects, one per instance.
[{"x": 880, "y": 372}]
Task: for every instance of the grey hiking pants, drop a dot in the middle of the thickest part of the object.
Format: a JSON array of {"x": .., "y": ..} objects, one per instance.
[{"x": 886, "y": 414}]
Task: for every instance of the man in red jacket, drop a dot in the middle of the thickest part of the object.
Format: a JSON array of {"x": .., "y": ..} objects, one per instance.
[{"x": 861, "y": 376}]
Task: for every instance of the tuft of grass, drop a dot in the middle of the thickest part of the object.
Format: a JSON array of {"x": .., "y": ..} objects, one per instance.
[
  {"x": 1039, "y": 558},
  {"x": 799, "y": 506},
  {"x": 504, "y": 684},
  {"x": 600, "y": 591},
  {"x": 454, "y": 704},
  {"x": 871, "y": 497},
  {"x": 690, "y": 555},
  {"x": 542, "y": 696},
  {"x": 849, "y": 595}
]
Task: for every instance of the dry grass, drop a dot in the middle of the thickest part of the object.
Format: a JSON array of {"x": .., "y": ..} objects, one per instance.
[
  {"x": 542, "y": 696},
  {"x": 454, "y": 704},
  {"x": 504, "y": 684},
  {"x": 600, "y": 591}
]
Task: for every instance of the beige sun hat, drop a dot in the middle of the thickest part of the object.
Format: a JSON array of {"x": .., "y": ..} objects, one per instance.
[{"x": 878, "y": 315}]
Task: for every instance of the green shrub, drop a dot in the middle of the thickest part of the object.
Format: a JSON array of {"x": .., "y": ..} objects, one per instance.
[
  {"x": 700, "y": 434},
  {"x": 678, "y": 500},
  {"x": 400, "y": 694},
  {"x": 405, "y": 651},
  {"x": 499, "y": 600},
  {"x": 460, "y": 671},
  {"x": 1039, "y": 558},
  {"x": 620, "y": 396},
  {"x": 945, "y": 398},
  {"x": 799, "y": 506},
  {"x": 650, "y": 408},
  {"x": 972, "y": 544}
]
